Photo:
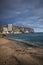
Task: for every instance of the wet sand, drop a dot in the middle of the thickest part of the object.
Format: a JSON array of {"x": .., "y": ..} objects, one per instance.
[{"x": 18, "y": 53}]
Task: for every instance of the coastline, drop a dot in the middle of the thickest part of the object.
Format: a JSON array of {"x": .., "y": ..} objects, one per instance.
[
  {"x": 25, "y": 43},
  {"x": 13, "y": 52}
]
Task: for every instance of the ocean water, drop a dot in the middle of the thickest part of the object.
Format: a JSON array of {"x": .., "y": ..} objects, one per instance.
[{"x": 31, "y": 38}]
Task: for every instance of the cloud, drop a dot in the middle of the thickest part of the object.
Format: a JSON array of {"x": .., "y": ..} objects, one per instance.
[
  {"x": 38, "y": 30},
  {"x": 22, "y": 12}
]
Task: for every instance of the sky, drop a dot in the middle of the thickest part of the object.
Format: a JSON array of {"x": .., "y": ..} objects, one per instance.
[{"x": 26, "y": 13}]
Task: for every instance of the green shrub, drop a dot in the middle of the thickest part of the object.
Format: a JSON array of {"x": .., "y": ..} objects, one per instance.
[{"x": 1, "y": 29}]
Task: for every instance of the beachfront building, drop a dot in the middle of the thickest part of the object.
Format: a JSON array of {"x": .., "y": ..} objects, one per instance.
[
  {"x": 5, "y": 30},
  {"x": 10, "y": 26}
]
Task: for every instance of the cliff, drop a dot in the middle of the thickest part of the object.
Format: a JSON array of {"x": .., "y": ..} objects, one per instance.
[
  {"x": 22, "y": 29},
  {"x": 17, "y": 29}
]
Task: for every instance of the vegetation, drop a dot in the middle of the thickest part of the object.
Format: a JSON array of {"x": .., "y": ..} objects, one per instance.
[{"x": 1, "y": 29}]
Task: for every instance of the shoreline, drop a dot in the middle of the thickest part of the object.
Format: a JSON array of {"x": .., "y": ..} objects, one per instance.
[{"x": 25, "y": 43}]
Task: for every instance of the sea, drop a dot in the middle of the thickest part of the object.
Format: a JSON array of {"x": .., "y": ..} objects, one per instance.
[{"x": 31, "y": 38}]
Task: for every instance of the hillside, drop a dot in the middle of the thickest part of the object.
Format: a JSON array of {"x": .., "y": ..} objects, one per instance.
[
  {"x": 16, "y": 29},
  {"x": 22, "y": 29}
]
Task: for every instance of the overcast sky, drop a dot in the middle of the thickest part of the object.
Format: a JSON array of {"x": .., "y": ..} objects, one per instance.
[{"x": 27, "y": 13}]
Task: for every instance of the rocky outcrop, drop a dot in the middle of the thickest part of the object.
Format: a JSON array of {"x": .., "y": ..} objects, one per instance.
[{"x": 19, "y": 29}]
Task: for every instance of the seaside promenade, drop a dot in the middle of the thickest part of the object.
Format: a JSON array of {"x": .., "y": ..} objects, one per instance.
[{"x": 17, "y": 53}]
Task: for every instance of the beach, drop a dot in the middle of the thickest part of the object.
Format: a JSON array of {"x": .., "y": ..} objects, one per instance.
[{"x": 13, "y": 52}]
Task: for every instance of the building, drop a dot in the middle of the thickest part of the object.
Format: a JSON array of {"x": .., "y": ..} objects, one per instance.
[
  {"x": 10, "y": 27},
  {"x": 5, "y": 30}
]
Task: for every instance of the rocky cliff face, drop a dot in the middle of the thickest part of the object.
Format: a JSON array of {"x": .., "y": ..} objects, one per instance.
[
  {"x": 18, "y": 29},
  {"x": 22, "y": 29}
]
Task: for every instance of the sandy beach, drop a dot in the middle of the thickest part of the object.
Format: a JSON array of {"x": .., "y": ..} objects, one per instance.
[{"x": 17, "y": 53}]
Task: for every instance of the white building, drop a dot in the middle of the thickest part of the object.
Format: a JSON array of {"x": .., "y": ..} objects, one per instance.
[
  {"x": 10, "y": 27},
  {"x": 5, "y": 30}
]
